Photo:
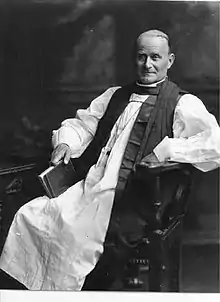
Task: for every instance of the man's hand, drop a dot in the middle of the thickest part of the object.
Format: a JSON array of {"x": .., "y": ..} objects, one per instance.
[
  {"x": 61, "y": 152},
  {"x": 149, "y": 161},
  {"x": 150, "y": 158}
]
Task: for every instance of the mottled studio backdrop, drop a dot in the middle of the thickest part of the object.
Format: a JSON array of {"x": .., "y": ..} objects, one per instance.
[{"x": 56, "y": 55}]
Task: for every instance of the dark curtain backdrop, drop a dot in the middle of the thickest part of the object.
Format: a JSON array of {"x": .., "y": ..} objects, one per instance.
[{"x": 55, "y": 56}]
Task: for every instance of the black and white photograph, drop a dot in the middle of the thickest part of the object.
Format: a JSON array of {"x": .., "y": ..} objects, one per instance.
[{"x": 110, "y": 146}]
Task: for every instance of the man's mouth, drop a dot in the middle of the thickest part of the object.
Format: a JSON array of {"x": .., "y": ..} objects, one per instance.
[{"x": 147, "y": 73}]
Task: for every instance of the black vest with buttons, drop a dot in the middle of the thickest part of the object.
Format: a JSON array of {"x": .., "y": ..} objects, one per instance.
[{"x": 153, "y": 123}]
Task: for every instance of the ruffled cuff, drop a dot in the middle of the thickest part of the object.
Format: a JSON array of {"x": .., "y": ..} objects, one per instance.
[{"x": 65, "y": 135}]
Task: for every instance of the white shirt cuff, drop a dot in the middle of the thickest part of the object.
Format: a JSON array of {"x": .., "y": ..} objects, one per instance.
[{"x": 67, "y": 136}]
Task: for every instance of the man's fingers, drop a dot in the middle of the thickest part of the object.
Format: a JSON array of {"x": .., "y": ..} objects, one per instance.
[
  {"x": 61, "y": 152},
  {"x": 67, "y": 156},
  {"x": 57, "y": 156}
]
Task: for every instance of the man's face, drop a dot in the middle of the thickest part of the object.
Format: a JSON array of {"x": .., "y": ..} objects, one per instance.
[{"x": 152, "y": 59}]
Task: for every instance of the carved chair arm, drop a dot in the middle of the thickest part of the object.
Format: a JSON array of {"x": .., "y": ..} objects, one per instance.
[{"x": 167, "y": 188}]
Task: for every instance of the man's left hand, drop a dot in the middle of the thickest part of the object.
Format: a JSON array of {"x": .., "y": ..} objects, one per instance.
[
  {"x": 151, "y": 161},
  {"x": 150, "y": 158}
]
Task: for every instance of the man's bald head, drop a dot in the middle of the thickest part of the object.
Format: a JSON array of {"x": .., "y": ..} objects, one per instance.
[{"x": 155, "y": 33}]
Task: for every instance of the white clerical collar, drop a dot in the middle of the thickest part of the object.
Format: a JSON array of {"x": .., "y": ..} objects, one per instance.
[{"x": 151, "y": 85}]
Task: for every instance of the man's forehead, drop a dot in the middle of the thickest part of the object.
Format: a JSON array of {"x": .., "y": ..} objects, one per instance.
[{"x": 152, "y": 42}]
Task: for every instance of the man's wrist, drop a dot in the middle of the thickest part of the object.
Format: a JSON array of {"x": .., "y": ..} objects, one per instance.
[{"x": 162, "y": 150}]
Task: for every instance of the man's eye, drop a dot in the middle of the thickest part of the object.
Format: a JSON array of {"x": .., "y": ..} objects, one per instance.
[
  {"x": 141, "y": 57},
  {"x": 155, "y": 57}
]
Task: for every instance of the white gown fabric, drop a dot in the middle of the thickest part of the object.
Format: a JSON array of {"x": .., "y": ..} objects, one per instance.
[{"x": 53, "y": 244}]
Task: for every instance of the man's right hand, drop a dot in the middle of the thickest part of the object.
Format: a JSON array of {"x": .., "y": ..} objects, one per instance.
[{"x": 61, "y": 152}]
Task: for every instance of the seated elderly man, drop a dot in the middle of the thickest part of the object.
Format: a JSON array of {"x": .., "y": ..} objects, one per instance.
[{"x": 53, "y": 244}]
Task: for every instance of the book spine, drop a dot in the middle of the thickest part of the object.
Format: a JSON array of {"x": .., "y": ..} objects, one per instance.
[{"x": 45, "y": 186}]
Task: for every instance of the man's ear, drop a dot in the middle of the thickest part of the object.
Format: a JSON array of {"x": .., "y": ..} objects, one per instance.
[{"x": 171, "y": 59}]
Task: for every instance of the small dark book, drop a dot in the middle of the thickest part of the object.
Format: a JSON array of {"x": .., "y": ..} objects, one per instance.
[{"x": 57, "y": 179}]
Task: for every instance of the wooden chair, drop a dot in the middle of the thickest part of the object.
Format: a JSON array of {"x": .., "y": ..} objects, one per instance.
[{"x": 163, "y": 189}]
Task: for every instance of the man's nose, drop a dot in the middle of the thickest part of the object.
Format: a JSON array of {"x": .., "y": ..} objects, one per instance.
[{"x": 148, "y": 62}]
